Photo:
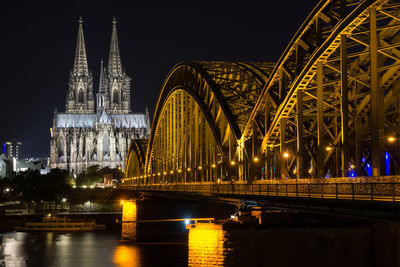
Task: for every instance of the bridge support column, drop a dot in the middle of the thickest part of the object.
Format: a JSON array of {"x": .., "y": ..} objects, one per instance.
[
  {"x": 299, "y": 143},
  {"x": 344, "y": 108},
  {"x": 283, "y": 152},
  {"x": 320, "y": 121},
  {"x": 377, "y": 109}
]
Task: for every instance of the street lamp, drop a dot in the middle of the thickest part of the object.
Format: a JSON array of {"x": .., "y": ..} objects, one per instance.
[
  {"x": 286, "y": 155},
  {"x": 391, "y": 139},
  {"x": 329, "y": 148},
  {"x": 256, "y": 159},
  {"x": 233, "y": 162}
]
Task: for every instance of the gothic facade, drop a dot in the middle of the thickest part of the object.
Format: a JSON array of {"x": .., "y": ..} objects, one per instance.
[{"x": 85, "y": 135}]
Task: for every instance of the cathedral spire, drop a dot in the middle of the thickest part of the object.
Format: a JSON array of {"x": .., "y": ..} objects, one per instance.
[
  {"x": 103, "y": 82},
  {"x": 114, "y": 59},
  {"x": 80, "y": 62}
]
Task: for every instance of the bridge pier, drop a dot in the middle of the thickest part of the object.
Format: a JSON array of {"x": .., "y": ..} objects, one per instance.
[{"x": 152, "y": 217}]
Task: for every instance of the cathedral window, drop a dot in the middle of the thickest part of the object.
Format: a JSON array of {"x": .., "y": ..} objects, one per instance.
[
  {"x": 80, "y": 96},
  {"x": 106, "y": 145},
  {"x": 115, "y": 97}
]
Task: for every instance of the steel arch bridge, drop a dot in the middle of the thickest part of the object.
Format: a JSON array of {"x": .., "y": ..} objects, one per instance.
[{"x": 330, "y": 106}]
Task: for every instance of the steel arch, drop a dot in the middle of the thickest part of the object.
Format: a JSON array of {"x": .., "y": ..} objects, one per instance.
[
  {"x": 219, "y": 89},
  {"x": 332, "y": 63}
]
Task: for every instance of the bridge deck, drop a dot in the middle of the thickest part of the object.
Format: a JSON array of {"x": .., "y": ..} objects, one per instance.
[{"x": 366, "y": 191}]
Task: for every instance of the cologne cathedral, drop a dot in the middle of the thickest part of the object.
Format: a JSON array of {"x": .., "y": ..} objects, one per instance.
[{"x": 85, "y": 134}]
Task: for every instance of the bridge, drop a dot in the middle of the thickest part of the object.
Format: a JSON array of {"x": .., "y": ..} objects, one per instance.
[{"x": 322, "y": 122}]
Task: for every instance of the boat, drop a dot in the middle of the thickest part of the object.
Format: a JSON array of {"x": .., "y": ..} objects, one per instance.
[{"x": 61, "y": 224}]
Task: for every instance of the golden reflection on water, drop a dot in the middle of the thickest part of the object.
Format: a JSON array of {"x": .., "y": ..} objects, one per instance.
[
  {"x": 126, "y": 256},
  {"x": 206, "y": 245}
]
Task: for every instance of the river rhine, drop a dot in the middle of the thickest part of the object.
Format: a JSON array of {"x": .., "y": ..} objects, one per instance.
[{"x": 90, "y": 249}]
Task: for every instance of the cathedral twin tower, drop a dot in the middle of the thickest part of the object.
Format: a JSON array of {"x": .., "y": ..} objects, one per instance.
[
  {"x": 82, "y": 136},
  {"x": 114, "y": 84}
]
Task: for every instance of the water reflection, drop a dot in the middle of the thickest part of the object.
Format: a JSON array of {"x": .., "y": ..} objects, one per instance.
[
  {"x": 90, "y": 249},
  {"x": 127, "y": 256},
  {"x": 248, "y": 245},
  {"x": 11, "y": 251}
]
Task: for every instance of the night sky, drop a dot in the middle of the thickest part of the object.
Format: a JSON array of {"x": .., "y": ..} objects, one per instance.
[{"x": 38, "y": 39}]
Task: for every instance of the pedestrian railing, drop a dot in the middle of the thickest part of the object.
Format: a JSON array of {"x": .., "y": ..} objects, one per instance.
[{"x": 371, "y": 191}]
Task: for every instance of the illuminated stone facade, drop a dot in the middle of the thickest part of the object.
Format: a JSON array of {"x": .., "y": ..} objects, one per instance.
[{"x": 82, "y": 136}]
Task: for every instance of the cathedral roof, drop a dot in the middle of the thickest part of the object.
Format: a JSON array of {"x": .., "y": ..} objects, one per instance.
[
  {"x": 68, "y": 120},
  {"x": 80, "y": 61}
]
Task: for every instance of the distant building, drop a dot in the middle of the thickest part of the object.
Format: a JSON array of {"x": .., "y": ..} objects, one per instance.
[
  {"x": 82, "y": 136},
  {"x": 5, "y": 166},
  {"x": 42, "y": 164},
  {"x": 12, "y": 149}
]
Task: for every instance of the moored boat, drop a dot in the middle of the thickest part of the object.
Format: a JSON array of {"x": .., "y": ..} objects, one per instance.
[{"x": 61, "y": 224}]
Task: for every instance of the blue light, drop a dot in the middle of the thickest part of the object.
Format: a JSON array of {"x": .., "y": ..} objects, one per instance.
[
  {"x": 352, "y": 173},
  {"x": 362, "y": 159},
  {"x": 387, "y": 163},
  {"x": 4, "y": 145},
  {"x": 369, "y": 169}
]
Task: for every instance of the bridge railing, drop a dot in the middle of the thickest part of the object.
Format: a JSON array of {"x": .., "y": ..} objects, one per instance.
[{"x": 371, "y": 191}]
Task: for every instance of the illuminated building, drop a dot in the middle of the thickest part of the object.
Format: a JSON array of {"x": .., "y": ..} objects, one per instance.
[
  {"x": 12, "y": 149},
  {"x": 82, "y": 136}
]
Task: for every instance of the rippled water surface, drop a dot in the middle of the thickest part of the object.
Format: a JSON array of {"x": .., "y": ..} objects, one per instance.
[{"x": 86, "y": 249}]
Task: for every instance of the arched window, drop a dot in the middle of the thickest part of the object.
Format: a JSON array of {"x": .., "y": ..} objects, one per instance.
[
  {"x": 115, "y": 96},
  {"x": 80, "y": 96},
  {"x": 106, "y": 145}
]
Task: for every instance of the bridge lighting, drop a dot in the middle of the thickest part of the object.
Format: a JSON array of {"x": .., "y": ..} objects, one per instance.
[
  {"x": 165, "y": 173},
  {"x": 329, "y": 148},
  {"x": 352, "y": 166},
  {"x": 310, "y": 170},
  {"x": 187, "y": 221},
  {"x": 189, "y": 169},
  {"x": 179, "y": 171},
  {"x": 154, "y": 174},
  {"x": 171, "y": 172},
  {"x": 213, "y": 165},
  {"x": 233, "y": 162},
  {"x": 200, "y": 168},
  {"x": 159, "y": 173},
  {"x": 141, "y": 176},
  {"x": 122, "y": 202},
  {"x": 286, "y": 155},
  {"x": 256, "y": 159},
  {"x": 391, "y": 139},
  {"x": 219, "y": 180}
]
